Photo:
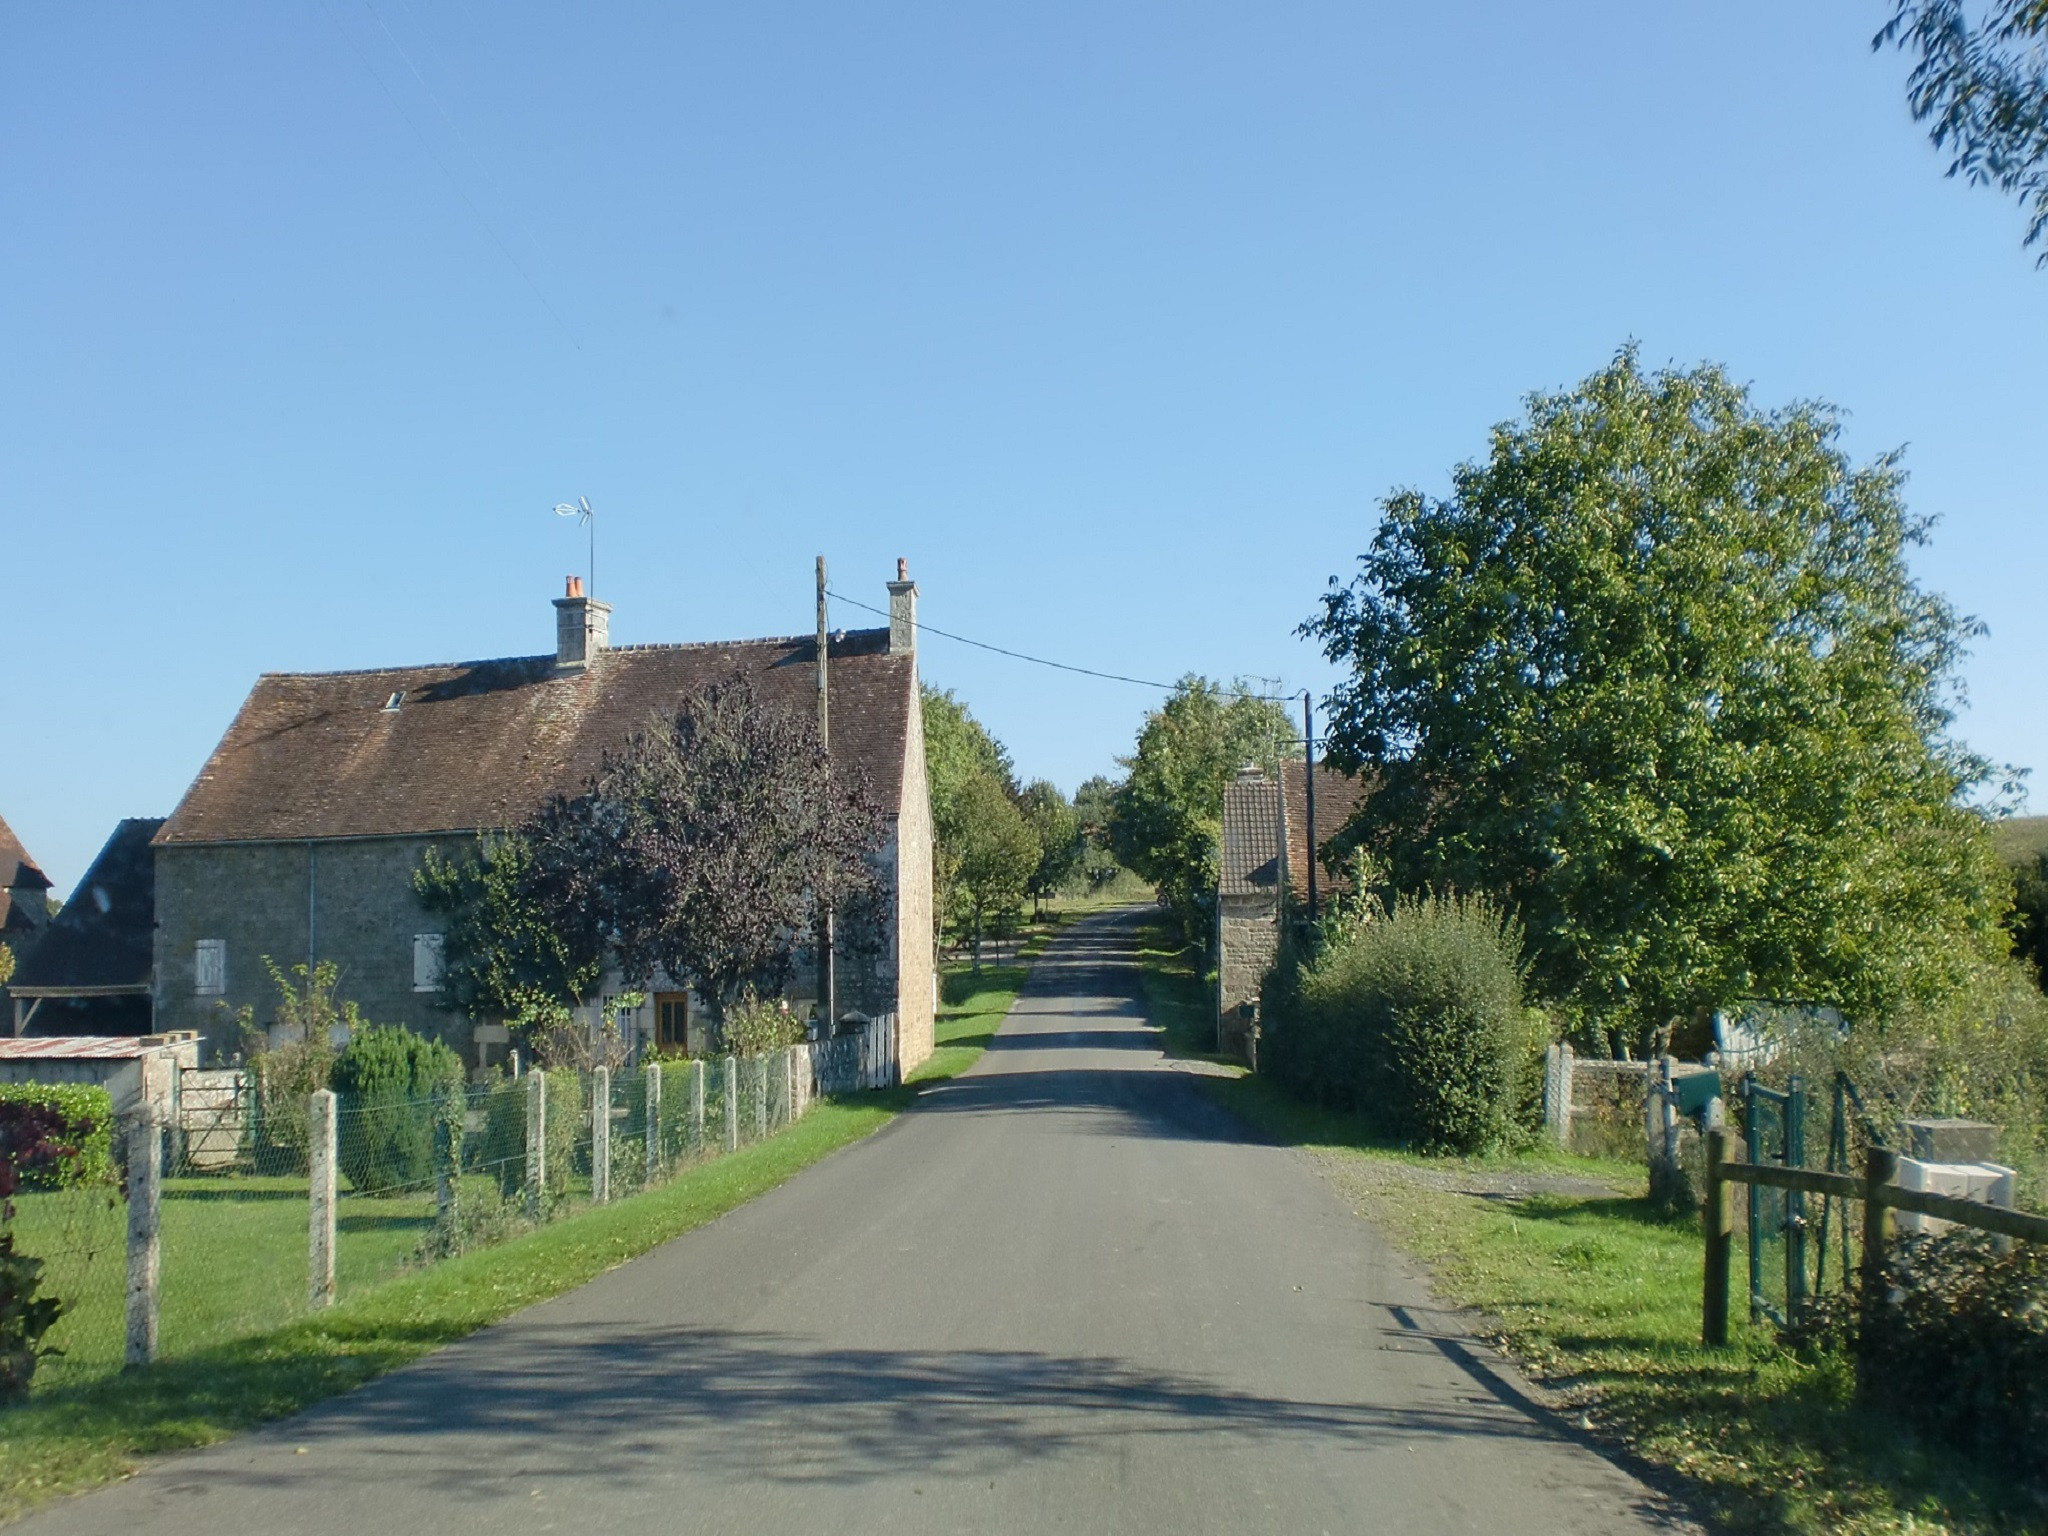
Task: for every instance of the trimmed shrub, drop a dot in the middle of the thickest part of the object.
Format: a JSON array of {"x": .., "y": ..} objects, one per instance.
[
  {"x": 87, "y": 1115},
  {"x": 393, "y": 1085},
  {"x": 1413, "y": 1017}
]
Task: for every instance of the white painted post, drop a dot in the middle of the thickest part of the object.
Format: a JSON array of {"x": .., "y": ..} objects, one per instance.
[
  {"x": 732, "y": 1105},
  {"x": 653, "y": 1118},
  {"x": 601, "y": 1135},
  {"x": 320, "y": 1147},
  {"x": 145, "y": 1190},
  {"x": 696, "y": 1107},
  {"x": 536, "y": 1144}
]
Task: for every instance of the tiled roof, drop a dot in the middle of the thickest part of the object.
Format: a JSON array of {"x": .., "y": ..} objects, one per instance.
[
  {"x": 19, "y": 870},
  {"x": 477, "y": 745},
  {"x": 103, "y": 936},
  {"x": 1337, "y": 796},
  {"x": 1249, "y": 858}
]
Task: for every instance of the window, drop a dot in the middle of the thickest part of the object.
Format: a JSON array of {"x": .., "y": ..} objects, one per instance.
[
  {"x": 426, "y": 962},
  {"x": 672, "y": 1020},
  {"x": 210, "y": 967}
]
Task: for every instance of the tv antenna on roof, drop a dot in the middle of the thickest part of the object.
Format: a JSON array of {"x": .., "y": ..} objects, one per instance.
[{"x": 581, "y": 510}]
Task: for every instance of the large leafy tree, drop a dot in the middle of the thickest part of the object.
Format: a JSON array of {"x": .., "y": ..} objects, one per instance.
[
  {"x": 1982, "y": 84},
  {"x": 1657, "y": 674},
  {"x": 997, "y": 854},
  {"x": 959, "y": 753},
  {"x": 1169, "y": 810},
  {"x": 709, "y": 844},
  {"x": 1057, "y": 830},
  {"x": 505, "y": 952}
]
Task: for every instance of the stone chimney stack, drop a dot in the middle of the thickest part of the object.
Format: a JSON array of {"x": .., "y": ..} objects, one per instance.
[
  {"x": 902, "y": 612},
  {"x": 583, "y": 626}
]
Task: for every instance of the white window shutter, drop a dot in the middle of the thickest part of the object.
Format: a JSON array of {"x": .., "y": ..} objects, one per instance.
[
  {"x": 426, "y": 962},
  {"x": 210, "y": 967}
]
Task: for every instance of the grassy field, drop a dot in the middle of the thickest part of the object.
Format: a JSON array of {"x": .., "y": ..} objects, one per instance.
[
  {"x": 1597, "y": 1295},
  {"x": 2020, "y": 838},
  {"x": 225, "y": 1370}
]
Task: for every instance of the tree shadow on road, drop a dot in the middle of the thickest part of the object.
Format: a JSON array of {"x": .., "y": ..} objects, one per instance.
[{"x": 755, "y": 1407}]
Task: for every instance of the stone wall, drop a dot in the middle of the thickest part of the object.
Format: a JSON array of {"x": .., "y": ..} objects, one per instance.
[
  {"x": 350, "y": 902},
  {"x": 1247, "y": 940}
]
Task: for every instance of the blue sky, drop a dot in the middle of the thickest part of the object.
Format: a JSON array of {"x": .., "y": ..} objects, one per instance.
[{"x": 1115, "y": 319}]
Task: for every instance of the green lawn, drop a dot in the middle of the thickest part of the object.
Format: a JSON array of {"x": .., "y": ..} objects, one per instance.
[
  {"x": 1598, "y": 1297},
  {"x": 239, "y": 1345}
]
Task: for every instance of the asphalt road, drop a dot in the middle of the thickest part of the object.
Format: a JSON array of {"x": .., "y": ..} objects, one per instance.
[{"x": 1063, "y": 1293}]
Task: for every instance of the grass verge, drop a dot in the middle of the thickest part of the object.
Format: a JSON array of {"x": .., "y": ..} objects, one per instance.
[
  {"x": 69, "y": 1440},
  {"x": 1597, "y": 1296}
]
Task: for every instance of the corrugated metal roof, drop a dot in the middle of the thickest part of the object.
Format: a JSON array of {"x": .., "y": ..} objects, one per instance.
[{"x": 79, "y": 1047}]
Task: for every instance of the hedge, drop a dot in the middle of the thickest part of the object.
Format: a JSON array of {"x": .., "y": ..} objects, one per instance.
[{"x": 90, "y": 1109}]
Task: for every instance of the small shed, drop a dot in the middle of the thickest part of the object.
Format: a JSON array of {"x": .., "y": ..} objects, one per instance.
[{"x": 129, "y": 1067}]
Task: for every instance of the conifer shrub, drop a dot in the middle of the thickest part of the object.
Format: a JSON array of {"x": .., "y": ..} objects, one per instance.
[
  {"x": 392, "y": 1085},
  {"x": 1413, "y": 1016}
]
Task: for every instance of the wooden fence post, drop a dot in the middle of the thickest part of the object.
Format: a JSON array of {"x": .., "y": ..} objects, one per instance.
[
  {"x": 1880, "y": 1167},
  {"x": 145, "y": 1190},
  {"x": 1719, "y": 1229},
  {"x": 696, "y": 1108},
  {"x": 653, "y": 1117},
  {"x": 320, "y": 1148},
  {"x": 536, "y": 1144},
  {"x": 732, "y": 1105},
  {"x": 601, "y": 1135}
]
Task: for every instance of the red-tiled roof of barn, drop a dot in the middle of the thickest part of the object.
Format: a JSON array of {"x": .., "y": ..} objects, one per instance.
[
  {"x": 1337, "y": 797},
  {"x": 477, "y": 745}
]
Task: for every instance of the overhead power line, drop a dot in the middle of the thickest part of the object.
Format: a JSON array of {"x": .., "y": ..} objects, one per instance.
[{"x": 1038, "y": 661}]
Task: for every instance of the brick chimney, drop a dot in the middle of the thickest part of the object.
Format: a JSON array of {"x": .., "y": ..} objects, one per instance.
[
  {"x": 902, "y": 612},
  {"x": 583, "y": 626}
]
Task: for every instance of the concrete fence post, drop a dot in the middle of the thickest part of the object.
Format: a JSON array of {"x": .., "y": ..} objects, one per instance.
[
  {"x": 145, "y": 1194},
  {"x": 789, "y": 1105},
  {"x": 536, "y": 1144},
  {"x": 601, "y": 1135},
  {"x": 448, "y": 1107},
  {"x": 732, "y": 1105},
  {"x": 1558, "y": 1062},
  {"x": 320, "y": 1148},
  {"x": 761, "y": 1097},
  {"x": 652, "y": 1084},
  {"x": 696, "y": 1108}
]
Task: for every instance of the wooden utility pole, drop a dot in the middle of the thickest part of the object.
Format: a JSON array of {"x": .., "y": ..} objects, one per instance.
[
  {"x": 828, "y": 958},
  {"x": 1308, "y": 780}
]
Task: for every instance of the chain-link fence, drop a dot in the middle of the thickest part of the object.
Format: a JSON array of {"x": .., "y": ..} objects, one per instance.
[{"x": 247, "y": 1237}]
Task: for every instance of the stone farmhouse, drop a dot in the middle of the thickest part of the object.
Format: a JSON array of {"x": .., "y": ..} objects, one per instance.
[
  {"x": 1263, "y": 876},
  {"x": 299, "y": 839}
]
